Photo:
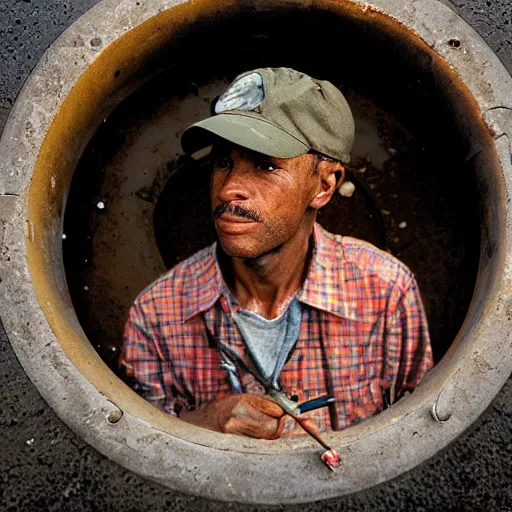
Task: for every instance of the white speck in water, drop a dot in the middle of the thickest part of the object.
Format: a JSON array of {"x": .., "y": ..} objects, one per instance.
[
  {"x": 362, "y": 170},
  {"x": 85, "y": 261},
  {"x": 114, "y": 349},
  {"x": 86, "y": 288},
  {"x": 402, "y": 225},
  {"x": 30, "y": 442},
  {"x": 64, "y": 236},
  {"x": 52, "y": 181},
  {"x": 392, "y": 151},
  {"x": 347, "y": 189},
  {"x": 100, "y": 205}
]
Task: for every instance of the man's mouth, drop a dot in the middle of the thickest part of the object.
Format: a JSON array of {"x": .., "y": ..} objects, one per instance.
[
  {"x": 229, "y": 224},
  {"x": 233, "y": 219},
  {"x": 229, "y": 217},
  {"x": 234, "y": 213}
]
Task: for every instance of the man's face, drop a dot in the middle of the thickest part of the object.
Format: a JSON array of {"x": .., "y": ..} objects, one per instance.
[{"x": 259, "y": 202}]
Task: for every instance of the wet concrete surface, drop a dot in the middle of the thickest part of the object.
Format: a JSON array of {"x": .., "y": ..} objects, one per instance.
[{"x": 43, "y": 466}]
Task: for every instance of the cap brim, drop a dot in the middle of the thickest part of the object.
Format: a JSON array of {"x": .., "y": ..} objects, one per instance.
[{"x": 247, "y": 131}]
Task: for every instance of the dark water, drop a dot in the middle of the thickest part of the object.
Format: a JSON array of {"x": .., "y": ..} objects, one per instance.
[{"x": 406, "y": 201}]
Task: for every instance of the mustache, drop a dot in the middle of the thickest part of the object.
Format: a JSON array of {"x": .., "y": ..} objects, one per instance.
[{"x": 235, "y": 210}]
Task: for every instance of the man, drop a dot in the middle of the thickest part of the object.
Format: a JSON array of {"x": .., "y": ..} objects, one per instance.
[{"x": 279, "y": 310}]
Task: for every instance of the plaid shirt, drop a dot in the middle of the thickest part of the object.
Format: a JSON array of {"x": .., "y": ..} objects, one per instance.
[{"x": 363, "y": 336}]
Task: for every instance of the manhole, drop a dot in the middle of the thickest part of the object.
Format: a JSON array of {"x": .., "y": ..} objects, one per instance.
[{"x": 88, "y": 159}]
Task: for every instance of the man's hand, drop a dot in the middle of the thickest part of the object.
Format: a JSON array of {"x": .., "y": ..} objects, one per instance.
[{"x": 243, "y": 414}]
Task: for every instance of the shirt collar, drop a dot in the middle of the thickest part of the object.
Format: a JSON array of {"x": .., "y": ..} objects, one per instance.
[
  {"x": 207, "y": 284},
  {"x": 322, "y": 288}
]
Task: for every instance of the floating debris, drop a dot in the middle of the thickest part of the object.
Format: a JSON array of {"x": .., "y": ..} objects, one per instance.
[
  {"x": 385, "y": 212},
  {"x": 392, "y": 151},
  {"x": 86, "y": 288},
  {"x": 64, "y": 236},
  {"x": 30, "y": 442},
  {"x": 347, "y": 189},
  {"x": 362, "y": 170},
  {"x": 402, "y": 225},
  {"x": 100, "y": 205}
]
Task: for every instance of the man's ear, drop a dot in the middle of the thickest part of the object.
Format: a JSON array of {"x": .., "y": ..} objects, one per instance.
[{"x": 331, "y": 176}]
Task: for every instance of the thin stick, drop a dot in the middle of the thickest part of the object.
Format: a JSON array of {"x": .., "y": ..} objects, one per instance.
[{"x": 311, "y": 431}]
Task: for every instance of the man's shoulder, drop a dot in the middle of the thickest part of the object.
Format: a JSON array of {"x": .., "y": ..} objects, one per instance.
[
  {"x": 364, "y": 259},
  {"x": 177, "y": 282},
  {"x": 373, "y": 258}
]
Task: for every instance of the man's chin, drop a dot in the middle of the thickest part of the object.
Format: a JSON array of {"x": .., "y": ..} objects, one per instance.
[
  {"x": 239, "y": 247},
  {"x": 239, "y": 251}
]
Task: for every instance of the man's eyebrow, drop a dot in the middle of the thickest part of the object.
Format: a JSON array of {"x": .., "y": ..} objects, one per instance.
[
  {"x": 226, "y": 149},
  {"x": 267, "y": 158},
  {"x": 261, "y": 156},
  {"x": 255, "y": 156}
]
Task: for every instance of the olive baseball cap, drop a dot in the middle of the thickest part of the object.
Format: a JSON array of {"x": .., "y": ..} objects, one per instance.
[{"x": 280, "y": 113}]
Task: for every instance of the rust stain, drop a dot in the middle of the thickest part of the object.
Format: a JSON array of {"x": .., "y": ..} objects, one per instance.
[{"x": 67, "y": 136}]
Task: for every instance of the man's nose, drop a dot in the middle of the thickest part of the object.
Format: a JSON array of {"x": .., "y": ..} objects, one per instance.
[{"x": 233, "y": 184}]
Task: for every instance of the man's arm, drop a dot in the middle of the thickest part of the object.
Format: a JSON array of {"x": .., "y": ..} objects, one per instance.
[
  {"x": 409, "y": 353},
  {"x": 243, "y": 414},
  {"x": 141, "y": 359},
  {"x": 143, "y": 363}
]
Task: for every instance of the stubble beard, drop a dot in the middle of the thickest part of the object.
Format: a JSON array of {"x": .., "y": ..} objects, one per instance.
[{"x": 256, "y": 251}]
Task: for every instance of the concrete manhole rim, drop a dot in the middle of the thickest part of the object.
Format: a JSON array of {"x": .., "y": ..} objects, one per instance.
[{"x": 183, "y": 458}]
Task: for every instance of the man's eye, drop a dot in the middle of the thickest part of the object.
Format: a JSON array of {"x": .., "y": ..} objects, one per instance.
[
  {"x": 266, "y": 166},
  {"x": 223, "y": 163}
]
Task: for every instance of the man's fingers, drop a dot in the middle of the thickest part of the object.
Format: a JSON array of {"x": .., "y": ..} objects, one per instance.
[
  {"x": 280, "y": 427},
  {"x": 246, "y": 414},
  {"x": 265, "y": 405},
  {"x": 251, "y": 422}
]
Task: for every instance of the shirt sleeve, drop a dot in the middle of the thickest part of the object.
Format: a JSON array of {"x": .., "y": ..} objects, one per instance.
[
  {"x": 142, "y": 363},
  {"x": 408, "y": 343}
]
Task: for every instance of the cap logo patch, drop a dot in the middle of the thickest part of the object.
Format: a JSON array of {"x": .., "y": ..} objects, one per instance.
[{"x": 246, "y": 93}]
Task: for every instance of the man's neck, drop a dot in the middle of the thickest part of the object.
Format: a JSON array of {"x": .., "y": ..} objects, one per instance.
[{"x": 266, "y": 285}]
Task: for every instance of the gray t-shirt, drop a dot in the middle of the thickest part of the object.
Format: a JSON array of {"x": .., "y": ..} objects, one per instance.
[{"x": 269, "y": 342}]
